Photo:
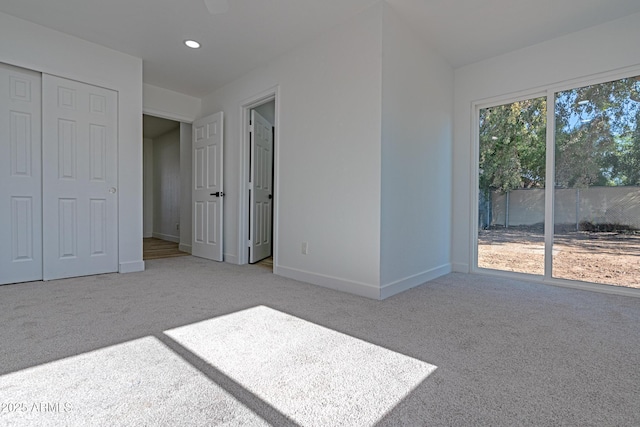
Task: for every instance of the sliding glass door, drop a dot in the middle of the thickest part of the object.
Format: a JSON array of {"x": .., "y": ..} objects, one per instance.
[
  {"x": 597, "y": 175},
  {"x": 512, "y": 186},
  {"x": 595, "y": 204}
]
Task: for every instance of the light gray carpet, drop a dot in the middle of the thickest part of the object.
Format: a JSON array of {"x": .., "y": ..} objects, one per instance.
[{"x": 190, "y": 342}]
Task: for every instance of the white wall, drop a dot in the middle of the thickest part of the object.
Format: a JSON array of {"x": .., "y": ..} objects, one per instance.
[
  {"x": 147, "y": 204},
  {"x": 166, "y": 186},
  {"x": 365, "y": 133},
  {"x": 31, "y": 46},
  {"x": 600, "y": 49},
  {"x": 417, "y": 120},
  {"x": 327, "y": 160},
  {"x": 168, "y": 104},
  {"x": 186, "y": 182}
]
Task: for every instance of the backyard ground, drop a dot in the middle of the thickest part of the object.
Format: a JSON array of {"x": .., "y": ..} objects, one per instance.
[{"x": 608, "y": 258}]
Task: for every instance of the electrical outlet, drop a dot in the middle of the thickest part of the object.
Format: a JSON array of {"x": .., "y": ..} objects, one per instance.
[{"x": 305, "y": 248}]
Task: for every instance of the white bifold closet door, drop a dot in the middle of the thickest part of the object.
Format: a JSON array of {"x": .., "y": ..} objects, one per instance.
[
  {"x": 79, "y": 192},
  {"x": 58, "y": 169},
  {"x": 20, "y": 176}
]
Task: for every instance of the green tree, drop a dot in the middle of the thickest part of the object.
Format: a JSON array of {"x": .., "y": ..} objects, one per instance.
[
  {"x": 597, "y": 136},
  {"x": 626, "y": 162},
  {"x": 512, "y": 145},
  {"x": 597, "y": 139}
]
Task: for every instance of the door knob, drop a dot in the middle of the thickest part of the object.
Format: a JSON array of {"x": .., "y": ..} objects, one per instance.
[
  {"x": 218, "y": 194},
  {"x": 270, "y": 197},
  {"x": 112, "y": 190}
]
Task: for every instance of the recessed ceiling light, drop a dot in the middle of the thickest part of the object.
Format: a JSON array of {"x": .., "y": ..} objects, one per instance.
[{"x": 192, "y": 44}]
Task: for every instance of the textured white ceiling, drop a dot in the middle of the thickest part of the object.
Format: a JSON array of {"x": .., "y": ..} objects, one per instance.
[{"x": 253, "y": 32}]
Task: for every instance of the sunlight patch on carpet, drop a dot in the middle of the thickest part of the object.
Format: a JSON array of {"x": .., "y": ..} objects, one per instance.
[
  {"x": 311, "y": 374},
  {"x": 140, "y": 382}
]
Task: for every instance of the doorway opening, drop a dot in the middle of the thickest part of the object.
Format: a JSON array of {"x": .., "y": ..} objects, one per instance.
[
  {"x": 259, "y": 203},
  {"x": 162, "y": 185},
  {"x": 261, "y": 158}
]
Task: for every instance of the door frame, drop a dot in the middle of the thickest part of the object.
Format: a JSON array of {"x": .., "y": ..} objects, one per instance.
[
  {"x": 186, "y": 180},
  {"x": 271, "y": 94}
]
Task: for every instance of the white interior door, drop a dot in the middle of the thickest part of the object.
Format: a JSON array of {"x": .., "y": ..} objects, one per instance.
[
  {"x": 20, "y": 176},
  {"x": 80, "y": 204},
  {"x": 208, "y": 190},
  {"x": 261, "y": 199}
]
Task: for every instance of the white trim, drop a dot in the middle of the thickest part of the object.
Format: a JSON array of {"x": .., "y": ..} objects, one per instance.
[
  {"x": 593, "y": 79},
  {"x": 167, "y": 237},
  {"x": 474, "y": 183},
  {"x": 231, "y": 259},
  {"x": 412, "y": 281},
  {"x": 271, "y": 94},
  {"x": 549, "y": 191},
  {"x": 166, "y": 115},
  {"x": 182, "y": 120},
  {"x": 558, "y": 86},
  {"x": 131, "y": 267},
  {"x": 460, "y": 267},
  {"x": 496, "y": 101},
  {"x": 336, "y": 283}
]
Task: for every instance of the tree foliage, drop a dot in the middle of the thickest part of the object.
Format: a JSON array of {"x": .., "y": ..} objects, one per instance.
[
  {"x": 512, "y": 145},
  {"x": 597, "y": 137},
  {"x": 596, "y": 129},
  {"x": 627, "y": 161}
]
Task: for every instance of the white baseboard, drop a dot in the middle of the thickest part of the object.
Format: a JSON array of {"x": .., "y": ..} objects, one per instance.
[
  {"x": 412, "y": 281},
  {"x": 131, "y": 267},
  {"x": 460, "y": 267},
  {"x": 184, "y": 248},
  {"x": 167, "y": 237},
  {"x": 352, "y": 287},
  {"x": 231, "y": 259}
]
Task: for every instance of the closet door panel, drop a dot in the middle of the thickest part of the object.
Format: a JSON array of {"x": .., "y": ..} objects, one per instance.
[
  {"x": 80, "y": 179},
  {"x": 20, "y": 175}
]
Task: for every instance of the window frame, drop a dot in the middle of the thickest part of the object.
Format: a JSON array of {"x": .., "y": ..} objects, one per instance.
[{"x": 548, "y": 91}]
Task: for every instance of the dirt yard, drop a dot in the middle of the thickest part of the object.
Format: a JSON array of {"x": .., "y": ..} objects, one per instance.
[{"x": 608, "y": 258}]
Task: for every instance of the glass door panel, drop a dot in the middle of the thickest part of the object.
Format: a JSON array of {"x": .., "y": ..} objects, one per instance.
[
  {"x": 597, "y": 184},
  {"x": 512, "y": 153}
]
